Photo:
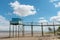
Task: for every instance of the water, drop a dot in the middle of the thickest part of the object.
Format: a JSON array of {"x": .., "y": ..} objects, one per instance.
[{"x": 6, "y": 33}]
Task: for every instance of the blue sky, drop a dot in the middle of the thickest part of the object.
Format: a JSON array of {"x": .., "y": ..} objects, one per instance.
[
  {"x": 43, "y": 8},
  {"x": 29, "y": 10}
]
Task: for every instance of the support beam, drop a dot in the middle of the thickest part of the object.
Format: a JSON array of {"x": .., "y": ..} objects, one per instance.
[{"x": 43, "y": 25}]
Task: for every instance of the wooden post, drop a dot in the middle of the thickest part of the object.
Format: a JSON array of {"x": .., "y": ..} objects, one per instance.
[
  {"x": 42, "y": 29},
  {"x": 54, "y": 28},
  {"x": 31, "y": 29},
  {"x": 18, "y": 31},
  {"x": 13, "y": 30},
  {"x": 23, "y": 30},
  {"x": 9, "y": 31}
]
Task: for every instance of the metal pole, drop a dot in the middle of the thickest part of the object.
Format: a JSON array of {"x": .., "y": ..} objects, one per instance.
[
  {"x": 32, "y": 29},
  {"x": 42, "y": 29}
]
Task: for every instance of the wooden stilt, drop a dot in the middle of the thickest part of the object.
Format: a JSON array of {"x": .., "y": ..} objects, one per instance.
[
  {"x": 9, "y": 31},
  {"x": 18, "y": 30},
  {"x": 13, "y": 30}
]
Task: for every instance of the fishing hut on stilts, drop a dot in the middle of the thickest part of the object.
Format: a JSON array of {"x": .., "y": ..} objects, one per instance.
[{"x": 15, "y": 27}]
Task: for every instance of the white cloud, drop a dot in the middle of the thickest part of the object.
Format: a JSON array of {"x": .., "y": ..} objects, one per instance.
[
  {"x": 56, "y": 18},
  {"x": 42, "y": 20},
  {"x": 22, "y": 10},
  {"x": 57, "y": 4},
  {"x": 4, "y": 24},
  {"x": 53, "y": 0}
]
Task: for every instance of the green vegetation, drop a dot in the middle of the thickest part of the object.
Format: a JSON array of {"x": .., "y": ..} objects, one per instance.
[{"x": 58, "y": 31}]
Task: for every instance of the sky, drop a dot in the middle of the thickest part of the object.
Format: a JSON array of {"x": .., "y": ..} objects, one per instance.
[{"x": 29, "y": 10}]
